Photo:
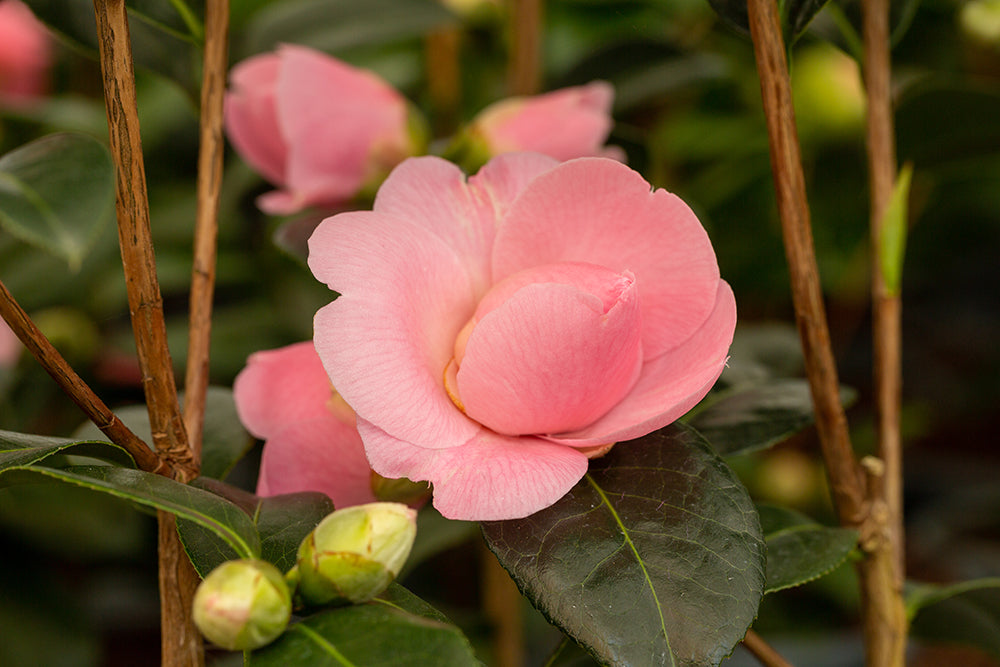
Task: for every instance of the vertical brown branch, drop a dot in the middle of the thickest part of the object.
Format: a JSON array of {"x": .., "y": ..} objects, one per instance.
[
  {"x": 180, "y": 641},
  {"x": 502, "y": 606},
  {"x": 211, "y": 150},
  {"x": 858, "y": 499},
  {"x": 444, "y": 80},
  {"x": 74, "y": 386},
  {"x": 524, "y": 75},
  {"x": 845, "y": 477},
  {"x": 886, "y": 306}
]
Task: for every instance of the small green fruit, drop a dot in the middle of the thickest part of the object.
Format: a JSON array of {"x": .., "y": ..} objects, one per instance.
[
  {"x": 242, "y": 605},
  {"x": 355, "y": 553}
]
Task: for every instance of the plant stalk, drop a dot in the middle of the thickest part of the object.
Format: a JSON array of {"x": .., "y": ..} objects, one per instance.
[
  {"x": 764, "y": 652},
  {"x": 74, "y": 386},
  {"x": 524, "y": 75},
  {"x": 210, "y": 162},
  {"x": 857, "y": 492},
  {"x": 180, "y": 641}
]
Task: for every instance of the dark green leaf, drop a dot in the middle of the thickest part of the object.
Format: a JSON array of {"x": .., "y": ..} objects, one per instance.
[
  {"x": 282, "y": 522},
  {"x": 654, "y": 558},
  {"x": 220, "y": 516},
  {"x": 756, "y": 417},
  {"x": 961, "y": 114},
  {"x": 224, "y": 441},
  {"x": 57, "y": 193},
  {"x": 337, "y": 25},
  {"x": 800, "y": 550},
  {"x": 165, "y": 33},
  {"x": 436, "y": 534},
  {"x": 397, "y": 629},
  {"x": 22, "y": 449},
  {"x": 965, "y": 613}
]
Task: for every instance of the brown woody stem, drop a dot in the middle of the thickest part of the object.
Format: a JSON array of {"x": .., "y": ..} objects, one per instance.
[
  {"x": 858, "y": 499},
  {"x": 789, "y": 182},
  {"x": 524, "y": 76},
  {"x": 764, "y": 652},
  {"x": 210, "y": 159},
  {"x": 74, "y": 386},
  {"x": 180, "y": 640}
]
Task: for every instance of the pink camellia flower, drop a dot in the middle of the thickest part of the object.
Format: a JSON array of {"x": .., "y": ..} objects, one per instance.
[
  {"x": 564, "y": 124},
  {"x": 283, "y": 396},
  {"x": 10, "y": 346},
  {"x": 491, "y": 333},
  {"x": 25, "y": 54},
  {"x": 316, "y": 127}
]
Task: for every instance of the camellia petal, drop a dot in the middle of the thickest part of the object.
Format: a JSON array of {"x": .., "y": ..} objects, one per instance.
[
  {"x": 669, "y": 385},
  {"x": 489, "y": 478},
  {"x": 281, "y": 386},
  {"x": 553, "y": 357},
  {"x": 389, "y": 359},
  {"x": 323, "y": 454},
  {"x": 251, "y": 116},
  {"x": 601, "y": 212}
]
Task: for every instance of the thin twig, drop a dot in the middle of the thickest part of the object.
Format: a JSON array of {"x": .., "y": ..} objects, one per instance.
[
  {"x": 135, "y": 238},
  {"x": 181, "y": 643},
  {"x": 74, "y": 386},
  {"x": 845, "y": 477},
  {"x": 524, "y": 75},
  {"x": 444, "y": 77},
  {"x": 210, "y": 159},
  {"x": 857, "y": 497},
  {"x": 887, "y": 326},
  {"x": 502, "y": 606},
  {"x": 764, "y": 652}
]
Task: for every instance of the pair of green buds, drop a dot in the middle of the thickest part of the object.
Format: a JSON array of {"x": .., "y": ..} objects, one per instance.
[{"x": 350, "y": 557}]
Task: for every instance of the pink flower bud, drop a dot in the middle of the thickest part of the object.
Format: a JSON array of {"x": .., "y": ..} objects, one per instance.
[
  {"x": 25, "y": 54},
  {"x": 319, "y": 129}
]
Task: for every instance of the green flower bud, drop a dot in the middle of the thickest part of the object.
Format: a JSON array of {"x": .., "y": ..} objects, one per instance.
[
  {"x": 242, "y": 605},
  {"x": 355, "y": 553}
]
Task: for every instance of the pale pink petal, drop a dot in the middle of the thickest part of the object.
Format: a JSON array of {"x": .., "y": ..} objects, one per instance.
[
  {"x": 322, "y": 454},
  {"x": 281, "y": 386},
  {"x": 25, "y": 53},
  {"x": 563, "y": 124},
  {"x": 387, "y": 339},
  {"x": 251, "y": 116},
  {"x": 601, "y": 212},
  {"x": 433, "y": 194},
  {"x": 669, "y": 385},
  {"x": 333, "y": 117},
  {"x": 10, "y": 346},
  {"x": 489, "y": 478},
  {"x": 553, "y": 357}
]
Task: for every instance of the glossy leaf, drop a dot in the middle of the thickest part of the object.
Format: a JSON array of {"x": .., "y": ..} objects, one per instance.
[
  {"x": 756, "y": 417},
  {"x": 22, "y": 449},
  {"x": 800, "y": 550},
  {"x": 57, "y": 193},
  {"x": 965, "y": 613},
  {"x": 224, "y": 440},
  {"x": 282, "y": 523},
  {"x": 397, "y": 628},
  {"x": 165, "y": 33},
  {"x": 220, "y": 516},
  {"x": 654, "y": 558}
]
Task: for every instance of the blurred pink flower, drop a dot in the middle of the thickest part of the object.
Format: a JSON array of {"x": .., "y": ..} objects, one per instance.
[
  {"x": 10, "y": 346},
  {"x": 492, "y": 333},
  {"x": 284, "y": 397},
  {"x": 564, "y": 124},
  {"x": 316, "y": 127},
  {"x": 25, "y": 54}
]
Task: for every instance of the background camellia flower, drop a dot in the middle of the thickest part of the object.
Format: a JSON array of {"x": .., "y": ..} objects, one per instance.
[
  {"x": 318, "y": 128},
  {"x": 563, "y": 124},
  {"x": 492, "y": 333},
  {"x": 284, "y": 397},
  {"x": 10, "y": 346},
  {"x": 25, "y": 54}
]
